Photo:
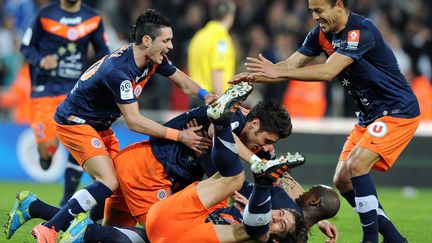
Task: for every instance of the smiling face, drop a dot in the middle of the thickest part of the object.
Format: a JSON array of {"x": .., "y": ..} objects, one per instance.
[
  {"x": 160, "y": 45},
  {"x": 254, "y": 138},
  {"x": 329, "y": 17}
]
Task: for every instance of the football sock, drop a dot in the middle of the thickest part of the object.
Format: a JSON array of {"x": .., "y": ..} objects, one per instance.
[
  {"x": 385, "y": 226},
  {"x": 97, "y": 233},
  {"x": 97, "y": 212},
  {"x": 72, "y": 177},
  {"x": 40, "y": 209},
  {"x": 257, "y": 213},
  {"x": 225, "y": 155},
  {"x": 82, "y": 201},
  {"x": 366, "y": 206}
]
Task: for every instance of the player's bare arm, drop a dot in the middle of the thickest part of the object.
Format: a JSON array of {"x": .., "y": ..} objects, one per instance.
[
  {"x": 321, "y": 72},
  {"x": 296, "y": 60},
  {"x": 138, "y": 123},
  {"x": 188, "y": 86}
]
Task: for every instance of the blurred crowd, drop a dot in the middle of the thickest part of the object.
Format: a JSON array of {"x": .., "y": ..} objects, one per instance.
[{"x": 274, "y": 28}]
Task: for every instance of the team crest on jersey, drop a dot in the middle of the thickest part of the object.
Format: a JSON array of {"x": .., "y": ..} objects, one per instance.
[
  {"x": 137, "y": 90},
  {"x": 72, "y": 34},
  {"x": 96, "y": 142},
  {"x": 353, "y": 39},
  {"x": 378, "y": 129},
  {"x": 126, "y": 92},
  {"x": 161, "y": 194}
]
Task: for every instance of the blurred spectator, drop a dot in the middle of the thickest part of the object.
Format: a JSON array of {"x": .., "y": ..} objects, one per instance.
[
  {"x": 405, "y": 25},
  {"x": 17, "y": 97}
]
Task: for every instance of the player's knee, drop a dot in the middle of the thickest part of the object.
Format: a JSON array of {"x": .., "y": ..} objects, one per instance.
[
  {"x": 110, "y": 181},
  {"x": 356, "y": 167},
  {"x": 341, "y": 180}
]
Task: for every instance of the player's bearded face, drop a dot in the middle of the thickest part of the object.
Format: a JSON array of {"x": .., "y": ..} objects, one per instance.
[{"x": 161, "y": 45}]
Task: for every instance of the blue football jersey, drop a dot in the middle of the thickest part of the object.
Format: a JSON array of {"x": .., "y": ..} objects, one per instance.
[
  {"x": 114, "y": 79},
  {"x": 374, "y": 79},
  {"x": 181, "y": 163},
  {"x": 67, "y": 35}
]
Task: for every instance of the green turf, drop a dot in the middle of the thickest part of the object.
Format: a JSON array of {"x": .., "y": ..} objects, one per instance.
[{"x": 412, "y": 216}]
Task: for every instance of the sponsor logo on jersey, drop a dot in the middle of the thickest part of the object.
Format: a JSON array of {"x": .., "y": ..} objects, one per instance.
[
  {"x": 137, "y": 90},
  {"x": 126, "y": 92},
  {"x": 378, "y": 129},
  {"x": 96, "y": 142},
  {"x": 71, "y": 21},
  {"x": 353, "y": 39}
]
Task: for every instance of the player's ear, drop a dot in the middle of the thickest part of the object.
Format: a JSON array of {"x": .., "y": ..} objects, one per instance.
[
  {"x": 146, "y": 40},
  {"x": 314, "y": 201},
  {"x": 256, "y": 123}
]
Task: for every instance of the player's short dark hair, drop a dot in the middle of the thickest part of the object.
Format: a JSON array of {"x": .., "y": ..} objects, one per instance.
[
  {"x": 148, "y": 23},
  {"x": 273, "y": 117},
  {"x": 299, "y": 234},
  {"x": 222, "y": 8},
  {"x": 333, "y": 2}
]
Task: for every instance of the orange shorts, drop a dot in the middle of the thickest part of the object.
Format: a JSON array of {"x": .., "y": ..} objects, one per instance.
[
  {"x": 387, "y": 136},
  {"x": 42, "y": 117},
  {"x": 142, "y": 181},
  {"x": 181, "y": 218},
  {"x": 84, "y": 142}
]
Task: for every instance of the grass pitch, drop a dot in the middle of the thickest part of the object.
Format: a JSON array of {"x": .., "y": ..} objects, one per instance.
[{"x": 409, "y": 209}]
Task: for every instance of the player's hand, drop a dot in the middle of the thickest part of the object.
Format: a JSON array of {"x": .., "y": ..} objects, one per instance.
[
  {"x": 201, "y": 133},
  {"x": 192, "y": 140},
  {"x": 210, "y": 98},
  {"x": 262, "y": 67},
  {"x": 240, "y": 201},
  {"x": 49, "y": 62},
  {"x": 242, "y": 77},
  {"x": 329, "y": 230}
]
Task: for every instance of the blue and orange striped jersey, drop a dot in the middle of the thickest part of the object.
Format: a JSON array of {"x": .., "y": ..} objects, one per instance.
[
  {"x": 374, "y": 79},
  {"x": 67, "y": 35},
  {"x": 114, "y": 79}
]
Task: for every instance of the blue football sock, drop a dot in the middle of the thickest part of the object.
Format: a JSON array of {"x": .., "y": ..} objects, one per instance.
[
  {"x": 225, "y": 155},
  {"x": 97, "y": 212},
  {"x": 350, "y": 197},
  {"x": 82, "y": 201},
  {"x": 387, "y": 228},
  {"x": 97, "y": 233},
  {"x": 259, "y": 207},
  {"x": 366, "y": 206}
]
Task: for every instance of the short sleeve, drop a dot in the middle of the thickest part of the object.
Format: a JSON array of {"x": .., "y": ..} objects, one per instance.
[
  {"x": 311, "y": 45},
  {"x": 359, "y": 41},
  {"x": 166, "y": 68},
  {"x": 121, "y": 87}
]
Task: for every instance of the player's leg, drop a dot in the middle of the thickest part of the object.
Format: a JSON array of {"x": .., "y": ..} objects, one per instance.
[
  {"x": 83, "y": 229},
  {"x": 27, "y": 206},
  {"x": 42, "y": 115},
  {"x": 224, "y": 153},
  {"x": 87, "y": 147},
  {"x": 359, "y": 163},
  {"x": 72, "y": 178}
]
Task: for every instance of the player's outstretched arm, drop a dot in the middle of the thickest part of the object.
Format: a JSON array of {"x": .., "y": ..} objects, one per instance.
[
  {"x": 190, "y": 87},
  {"x": 138, "y": 123}
]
